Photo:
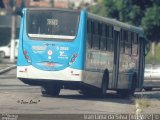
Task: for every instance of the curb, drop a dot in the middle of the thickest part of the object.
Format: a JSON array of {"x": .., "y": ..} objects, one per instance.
[{"x": 7, "y": 69}]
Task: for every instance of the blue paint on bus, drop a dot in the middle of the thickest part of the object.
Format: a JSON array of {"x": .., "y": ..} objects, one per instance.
[{"x": 37, "y": 58}]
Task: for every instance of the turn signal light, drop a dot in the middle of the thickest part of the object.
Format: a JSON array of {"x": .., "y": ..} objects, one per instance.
[
  {"x": 26, "y": 56},
  {"x": 73, "y": 58},
  {"x": 25, "y": 52}
]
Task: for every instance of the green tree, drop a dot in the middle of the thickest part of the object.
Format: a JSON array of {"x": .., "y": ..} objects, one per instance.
[
  {"x": 99, "y": 9},
  {"x": 123, "y": 10},
  {"x": 151, "y": 23},
  {"x": 145, "y": 13}
]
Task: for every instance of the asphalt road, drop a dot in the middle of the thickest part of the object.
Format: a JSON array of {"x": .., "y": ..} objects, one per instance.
[
  {"x": 15, "y": 95},
  {"x": 18, "y": 98}
]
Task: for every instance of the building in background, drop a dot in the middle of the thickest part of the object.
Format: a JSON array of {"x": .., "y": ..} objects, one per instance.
[
  {"x": 61, "y": 3},
  {"x": 6, "y": 12},
  {"x": 76, "y": 4}
]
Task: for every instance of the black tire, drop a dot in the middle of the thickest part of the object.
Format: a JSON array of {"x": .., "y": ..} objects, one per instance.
[
  {"x": 133, "y": 87},
  {"x": 50, "y": 90},
  {"x": 129, "y": 92},
  {"x": 104, "y": 85}
]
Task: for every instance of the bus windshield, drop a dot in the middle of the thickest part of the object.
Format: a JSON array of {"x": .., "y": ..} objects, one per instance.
[{"x": 52, "y": 24}]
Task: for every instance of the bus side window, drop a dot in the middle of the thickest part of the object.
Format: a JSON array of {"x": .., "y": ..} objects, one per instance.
[
  {"x": 99, "y": 33},
  {"x": 103, "y": 41},
  {"x": 125, "y": 37},
  {"x": 89, "y": 34},
  {"x": 122, "y": 43},
  {"x": 110, "y": 38},
  {"x": 134, "y": 44},
  {"x": 95, "y": 36},
  {"x": 127, "y": 42}
]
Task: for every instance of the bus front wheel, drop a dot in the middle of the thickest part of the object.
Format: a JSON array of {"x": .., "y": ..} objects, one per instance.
[{"x": 50, "y": 90}]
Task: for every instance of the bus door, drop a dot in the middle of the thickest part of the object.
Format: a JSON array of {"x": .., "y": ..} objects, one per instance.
[
  {"x": 116, "y": 56},
  {"x": 141, "y": 62}
]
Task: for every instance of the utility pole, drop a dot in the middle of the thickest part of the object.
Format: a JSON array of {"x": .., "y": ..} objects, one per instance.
[
  {"x": 52, "y": 2},
  {"x": 13, "y": 34}
]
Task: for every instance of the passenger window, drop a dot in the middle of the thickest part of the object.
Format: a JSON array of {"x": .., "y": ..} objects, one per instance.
[
  {"x": 127, "y": 38},
  {"x": 89, "y": 34},
  {"x": 103, "y": 42},
  {"x": 122, "y": 42},
  {"x": 135, "y": 44},
  {"x": 110, "y": 38},
  {"x": 95, "y": 44},
  {"x": 89, "y": 26}
]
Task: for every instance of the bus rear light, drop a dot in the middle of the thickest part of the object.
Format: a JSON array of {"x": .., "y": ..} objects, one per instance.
[
  {"x": 73, "y": 58},
  {"x": 25, "y": 52},
  {"x": 27, "y": 57},
  {"x": 50, "y": 52},
  {"x": 75, "y": 55},
  {"x": 49, "y": 64}
]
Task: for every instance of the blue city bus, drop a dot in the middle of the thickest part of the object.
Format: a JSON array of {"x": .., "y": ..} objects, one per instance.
[{"x": 77, "y": 50}]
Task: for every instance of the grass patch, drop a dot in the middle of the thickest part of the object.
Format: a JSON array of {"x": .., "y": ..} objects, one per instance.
[{"x": 143, "y": 103}]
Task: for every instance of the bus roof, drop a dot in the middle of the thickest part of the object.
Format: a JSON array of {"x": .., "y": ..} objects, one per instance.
[
  {"x": 110, "y": 21},
  {"x": 116, "y": 23},
  {"x": 59, "y": 9}
]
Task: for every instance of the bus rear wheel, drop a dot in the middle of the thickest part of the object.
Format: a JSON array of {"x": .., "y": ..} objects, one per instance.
[
  {"x": 104, "y": 85},
  {"x": 50, "y": 90}
]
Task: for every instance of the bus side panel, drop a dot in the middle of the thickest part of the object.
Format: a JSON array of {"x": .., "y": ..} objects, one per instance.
[
  {"x": 81, "y": 36},
  {"x": 21, "y": 58}
]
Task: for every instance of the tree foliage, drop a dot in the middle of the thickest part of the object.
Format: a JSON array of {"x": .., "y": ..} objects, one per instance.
[
  {"x": 151, "y": 23},
  {"x": 145, "y": 13}
]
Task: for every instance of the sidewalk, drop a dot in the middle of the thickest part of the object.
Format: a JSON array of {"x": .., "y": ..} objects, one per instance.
[{"x": 6, "y": 65}]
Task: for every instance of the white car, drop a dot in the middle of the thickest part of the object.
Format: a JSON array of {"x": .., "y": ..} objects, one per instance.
[
  {"x": 5, "y": 50},
  {"x": 151, "y": 76}
]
